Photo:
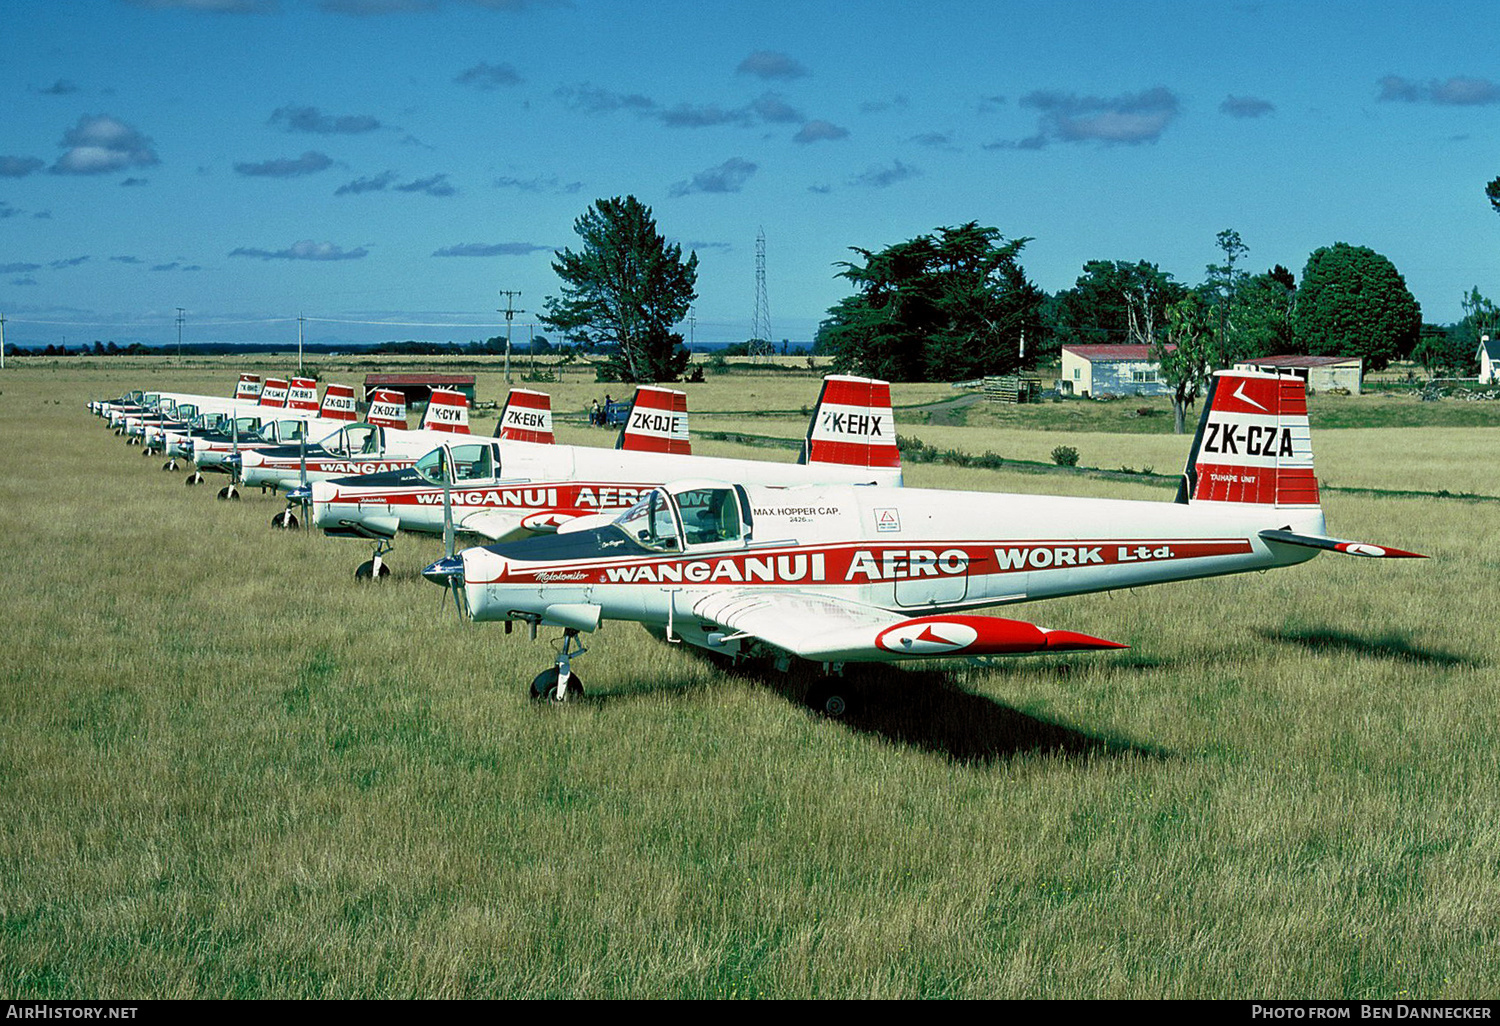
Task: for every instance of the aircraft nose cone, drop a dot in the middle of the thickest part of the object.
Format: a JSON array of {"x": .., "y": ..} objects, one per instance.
[{"x": 445, "y": 571}]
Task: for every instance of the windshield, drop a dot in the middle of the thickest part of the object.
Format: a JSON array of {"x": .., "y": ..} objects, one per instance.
[
  {"x": 650, "y": 523},
  {"x": 431, "y": 467}
]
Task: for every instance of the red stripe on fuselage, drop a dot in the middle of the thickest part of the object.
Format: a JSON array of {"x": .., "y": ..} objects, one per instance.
[{"x": 859, "y": 564}]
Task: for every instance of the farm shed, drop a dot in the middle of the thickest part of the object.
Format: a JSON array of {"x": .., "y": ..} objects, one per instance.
[
  {"x": 1489, "y": 360},
  {"x": 1320, "y": 372},
  {"x": 1111, "y": 370},
  {"x": 418, "y": 387}
]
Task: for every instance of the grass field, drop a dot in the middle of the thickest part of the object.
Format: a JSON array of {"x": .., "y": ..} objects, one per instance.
[{"x": 227, "y": 771}]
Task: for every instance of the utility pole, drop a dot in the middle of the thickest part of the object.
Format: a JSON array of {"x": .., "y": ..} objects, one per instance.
[
  {"x": 510, "y": 314},
  {"x": 300, "y": 319},
  {"x": 2, "y": 341},
  {"x": 179, "y": 336}
]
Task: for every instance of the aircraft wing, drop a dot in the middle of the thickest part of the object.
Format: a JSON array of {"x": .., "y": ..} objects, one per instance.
[
  {"x": 825, "y": 629},
  {"x": 504, "y": 525},
  {"x": 494, "y": 524}
]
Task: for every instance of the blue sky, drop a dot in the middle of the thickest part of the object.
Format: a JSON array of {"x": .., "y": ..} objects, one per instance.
[{"x": 388, "y": 167}]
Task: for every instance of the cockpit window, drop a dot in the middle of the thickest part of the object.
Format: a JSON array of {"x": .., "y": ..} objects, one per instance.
[
  {"x": 649, "y": 522},
  {"x": 472, "y": 462},
  {"x": 710, "y": 516}
]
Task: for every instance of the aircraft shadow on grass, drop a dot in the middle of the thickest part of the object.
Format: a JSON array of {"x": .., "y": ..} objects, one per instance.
[
  {"x": 1375, "y": 646},
  {"x": 925, "y": 709}
]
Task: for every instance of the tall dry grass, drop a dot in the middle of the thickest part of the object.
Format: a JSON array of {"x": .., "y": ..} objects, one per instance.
[{"x": 229, "y": 772}]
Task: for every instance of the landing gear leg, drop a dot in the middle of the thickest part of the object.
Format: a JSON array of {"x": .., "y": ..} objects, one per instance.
[
  {"x": 559, "y": 683},
  {"x": 829, "y": 695},
  {"x": 374, "y": 568}
]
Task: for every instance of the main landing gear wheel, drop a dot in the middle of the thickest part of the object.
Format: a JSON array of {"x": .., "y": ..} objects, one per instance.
[
  {"x": 286, "y": 520},
  {"x": 544, "y": 688},
  {"x": 366, "y": 571},
  {"x": 229, "y": 492},
  {"x": 829, "y": 697}
]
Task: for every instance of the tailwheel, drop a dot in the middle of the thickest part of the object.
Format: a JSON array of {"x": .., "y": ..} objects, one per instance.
[
  {"x": 830, "y": 697},
  {"x": 286, "y": 520},
  {"x": 229, "y": 492},
  {"x": 370, "y": 570},
  {"x": 544, "y": 688}
]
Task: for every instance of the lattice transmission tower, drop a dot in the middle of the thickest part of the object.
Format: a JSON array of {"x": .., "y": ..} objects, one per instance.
[{"x": 760, "y": 331}]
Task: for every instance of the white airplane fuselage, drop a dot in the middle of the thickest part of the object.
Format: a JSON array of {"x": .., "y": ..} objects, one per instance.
[{"x": 913, "y": 552}]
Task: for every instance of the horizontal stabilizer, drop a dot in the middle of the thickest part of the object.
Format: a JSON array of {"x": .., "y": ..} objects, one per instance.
[{"x": 1352, "y": 548}]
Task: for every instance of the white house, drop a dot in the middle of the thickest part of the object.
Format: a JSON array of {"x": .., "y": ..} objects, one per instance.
[
  {"x": 1112, "y": 370},
  {"x": 1489, "y": 359}
]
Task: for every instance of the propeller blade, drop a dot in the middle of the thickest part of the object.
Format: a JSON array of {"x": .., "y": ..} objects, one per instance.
[{"x": 445, "y": 466}]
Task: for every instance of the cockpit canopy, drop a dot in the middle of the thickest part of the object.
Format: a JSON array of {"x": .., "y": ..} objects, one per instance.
[
  {"x": 283, "y": 431},
  {"x": 476, "y": 462},
  {"x": 354, "y": 440},
  {"x": 687, "y": 515}
]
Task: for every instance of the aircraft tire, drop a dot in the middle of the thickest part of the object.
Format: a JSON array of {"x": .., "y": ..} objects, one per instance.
[
  {"x": 544, "y": 688},
  {"x": 366, "y": 571},
  {"x": 194, "y": 478},
  {"x": 829, "y": 697},
  {"x": 229, "y": 492},
  {"x": 286, "y": 520}
]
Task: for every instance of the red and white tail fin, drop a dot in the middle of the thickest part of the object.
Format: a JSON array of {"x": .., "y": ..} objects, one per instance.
[
  {"x": 658, "y": 422},
  {"x": 1253, "y": 445},
  {"x": 853, "y": 424},
  {"x": 447, "y": 411},
  {"x": 338, "y": 403},
  {"x": 248, "y": 387},
  {"x": 527, "y": 417},
  {"x": 387, "y": 409},
  {"x": 303, "y": 394},
  {"x": 273, "y": 393}
]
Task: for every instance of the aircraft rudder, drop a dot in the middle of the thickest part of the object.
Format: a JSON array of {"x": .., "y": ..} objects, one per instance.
[
  {"x": 852, "y": 424},
  {"x": 1253, "y": 445},
  {"x": 447, "y": 410},
  {"x": 526, "y": 417},
  {"x": 658, "y": 422}
]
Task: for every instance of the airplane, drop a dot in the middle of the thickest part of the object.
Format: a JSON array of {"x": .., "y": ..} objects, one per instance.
[
  {"x": 374, "y": 507},
  {"x": 831, "y": 574},
  {"x": 168, "y": 436},
  {"x": 264, "y": 425},
  {"x": 500, "y": 491},
  {"x": 381, "y": 443}
]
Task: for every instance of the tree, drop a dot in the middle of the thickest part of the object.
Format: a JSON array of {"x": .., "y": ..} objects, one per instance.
[
  {"x": 624, "y": 290},
  {"x": 1493, "y": 192},
  {"x": 1186, "y": 355},
  {"x": 943, "y": 307},
  {"x": 1353, "y": 302},
  {"x": 1263, "y": 316},
  {"x": 1223, "y": 286},
  {"x": 1111, "y": 301},
  {"x": 1454, "y": 352}
]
